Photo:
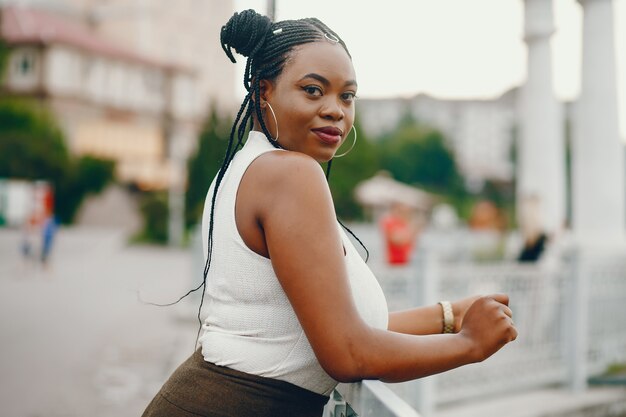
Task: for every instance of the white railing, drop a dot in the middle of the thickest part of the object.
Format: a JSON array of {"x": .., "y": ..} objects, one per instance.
[
  {"x": 367, "y": 399},
  {"x": 570, "y": 314}
]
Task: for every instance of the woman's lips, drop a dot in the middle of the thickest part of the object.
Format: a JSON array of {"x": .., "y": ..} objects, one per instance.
[{"x": 331, "y": 136}]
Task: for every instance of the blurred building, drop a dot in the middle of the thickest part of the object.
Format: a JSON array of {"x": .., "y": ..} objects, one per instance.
[
  {"x": 110, "y": 101},
  {"x": 480, "y": 132},
  {"x": 127, "y": 80},
  {"x": 131, "y": 81},
  {"x": 184, "y": 33}
]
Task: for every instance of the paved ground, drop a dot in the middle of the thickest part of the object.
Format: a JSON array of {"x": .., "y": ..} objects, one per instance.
[{"x": 76, "y": 340}]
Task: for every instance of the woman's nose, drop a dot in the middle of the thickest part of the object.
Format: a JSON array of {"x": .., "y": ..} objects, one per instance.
[{"x": 332, "y": 110}]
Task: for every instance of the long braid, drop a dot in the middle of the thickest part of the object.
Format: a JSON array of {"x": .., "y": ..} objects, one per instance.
[
  {"x": 240, "y": 120},
  {"x": 367, "y": 252},
  {"x": 242, "y": 127},
  {"x": 220, "y": 175}
]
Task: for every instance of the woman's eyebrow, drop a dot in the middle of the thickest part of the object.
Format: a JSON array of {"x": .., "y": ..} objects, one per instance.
[
  {"x": 324, "y": 80},
  {"x": 317, "y": 77}
]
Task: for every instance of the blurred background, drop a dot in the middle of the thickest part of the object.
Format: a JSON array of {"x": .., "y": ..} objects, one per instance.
[{"x": 490, "y": 157}]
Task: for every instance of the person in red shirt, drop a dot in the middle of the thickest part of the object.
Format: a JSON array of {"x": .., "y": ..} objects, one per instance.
[{"x": 400, "y": 230}]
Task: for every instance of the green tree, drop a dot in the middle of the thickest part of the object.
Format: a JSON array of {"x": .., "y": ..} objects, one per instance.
[
  {"x": 418, "y": 155},
  {"x": 4, "y": 55},
  {"x": 32, "y": 147},
  {"x": 155, "y": 212},
  {"x": 346, "y": 172},
  {"x": 85, "y": 175},
  {"x": 203, "y": 166}
]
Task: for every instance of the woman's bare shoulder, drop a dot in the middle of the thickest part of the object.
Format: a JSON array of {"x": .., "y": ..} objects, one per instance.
[{"x": 278, "y": 170}]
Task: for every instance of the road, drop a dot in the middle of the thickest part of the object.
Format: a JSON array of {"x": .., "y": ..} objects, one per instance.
[{"x": 76, "y": 339}]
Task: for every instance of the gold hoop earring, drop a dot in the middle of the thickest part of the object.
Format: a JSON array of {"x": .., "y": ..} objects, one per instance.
[
  {"x": 275, "y": 121},
  {"x": 353, "y": 143}
]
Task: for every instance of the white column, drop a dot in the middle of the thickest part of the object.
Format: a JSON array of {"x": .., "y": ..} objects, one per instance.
[
  {"x": 598, "y": 154},
  {"x": 541, "y": 150}
]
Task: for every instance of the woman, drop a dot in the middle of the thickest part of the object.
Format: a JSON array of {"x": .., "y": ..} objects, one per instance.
[{"x": 292, "y": 307}]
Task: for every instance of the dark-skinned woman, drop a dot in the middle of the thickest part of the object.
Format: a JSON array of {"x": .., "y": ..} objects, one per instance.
[{"x": 292, "y": 308}]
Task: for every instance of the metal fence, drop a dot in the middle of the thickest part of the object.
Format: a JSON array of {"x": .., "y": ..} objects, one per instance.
[
  {"x": 570, "y": 314},
  {"x": 367, "y": 399}
]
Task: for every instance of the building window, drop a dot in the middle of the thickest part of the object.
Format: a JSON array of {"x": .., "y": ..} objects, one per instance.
[
  {"x": 153, "y": 82},
  {"x": 23, "y": 69},
  {"x": 24, "y": 64}
]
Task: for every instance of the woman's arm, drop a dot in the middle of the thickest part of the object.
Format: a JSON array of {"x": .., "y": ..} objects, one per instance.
[
  {"x": 428, "y": 319},
  {"x": 295, "y": 211}
]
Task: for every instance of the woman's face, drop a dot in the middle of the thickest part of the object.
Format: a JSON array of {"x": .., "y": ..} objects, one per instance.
[{"x": 313, "y": 99}]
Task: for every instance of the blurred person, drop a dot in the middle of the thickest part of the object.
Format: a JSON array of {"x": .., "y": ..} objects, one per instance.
[
  {"x": 28, "y": 231},
  {"x": 400, "y": 228},
  {"x": 48, "y": 231},
  {"x": 534, "y": 237},
  {"x": 533, "y": 248},
  {"x": 274, "y": 342},
  {"x": 486, "y": 215}
]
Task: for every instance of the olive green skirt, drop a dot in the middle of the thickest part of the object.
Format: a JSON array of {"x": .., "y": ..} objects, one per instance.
[{"x": 200, "y": 388}]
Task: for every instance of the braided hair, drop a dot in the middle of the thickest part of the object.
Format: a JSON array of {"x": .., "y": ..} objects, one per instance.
[{"x": 267, "y": 45}]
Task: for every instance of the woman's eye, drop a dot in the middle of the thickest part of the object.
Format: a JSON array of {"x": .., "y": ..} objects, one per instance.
[
  {"x": 348, "y": 96},
  {"x": 312, "y": 90}
]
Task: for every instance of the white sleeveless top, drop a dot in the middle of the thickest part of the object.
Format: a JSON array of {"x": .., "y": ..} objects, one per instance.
[{"x": 251, "y": 326}]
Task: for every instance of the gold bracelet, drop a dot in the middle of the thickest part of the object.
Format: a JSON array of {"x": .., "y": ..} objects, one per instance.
[{"x": 448, "y": 317}]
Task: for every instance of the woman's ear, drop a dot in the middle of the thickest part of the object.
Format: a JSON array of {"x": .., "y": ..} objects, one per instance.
[{"x": 266, "y": 90}]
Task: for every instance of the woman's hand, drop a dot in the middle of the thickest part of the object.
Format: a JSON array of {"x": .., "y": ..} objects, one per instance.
[
  {"x": 488, "y": 324},
  {"x": 459, "y": 308}
]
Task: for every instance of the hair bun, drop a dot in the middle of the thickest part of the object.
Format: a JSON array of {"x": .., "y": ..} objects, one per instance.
[{"x": 245, "y": 32}]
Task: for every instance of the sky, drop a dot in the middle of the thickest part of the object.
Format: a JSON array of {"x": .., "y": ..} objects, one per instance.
[{"x": 451, "y": 48}]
